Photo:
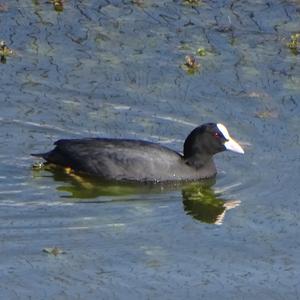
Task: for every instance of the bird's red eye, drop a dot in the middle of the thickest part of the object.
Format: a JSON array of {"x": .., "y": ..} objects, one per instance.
[{"x": 216, "y": 135}]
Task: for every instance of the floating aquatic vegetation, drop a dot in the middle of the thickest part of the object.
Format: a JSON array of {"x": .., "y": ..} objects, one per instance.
[
  {"x": 192, "y": 2},
  {"x": 294, "y": 43},
  {"x": 4, "y": 52},
  {"x": 201, "y": 52},
  {"x": 190, "y": 61},
  {"x": 58, "y": 5},
  {"x": 54, "y": 251},
  {"x": 191, "y": 66}
]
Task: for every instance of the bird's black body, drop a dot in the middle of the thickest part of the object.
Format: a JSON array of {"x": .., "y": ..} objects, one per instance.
[{"x": 135, "y": 160}]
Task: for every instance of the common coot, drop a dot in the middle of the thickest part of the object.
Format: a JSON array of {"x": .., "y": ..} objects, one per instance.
[{"x": 136, "y": 160}]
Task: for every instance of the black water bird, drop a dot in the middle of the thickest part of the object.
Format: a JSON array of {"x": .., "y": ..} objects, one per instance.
[{"x": 137, "y": 160}]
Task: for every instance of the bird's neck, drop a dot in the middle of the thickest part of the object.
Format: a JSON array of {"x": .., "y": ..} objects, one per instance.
[{"x": 198, "y": 160}]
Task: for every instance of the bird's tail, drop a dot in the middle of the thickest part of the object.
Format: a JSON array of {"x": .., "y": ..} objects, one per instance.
[{"x": 41, "y": 155}]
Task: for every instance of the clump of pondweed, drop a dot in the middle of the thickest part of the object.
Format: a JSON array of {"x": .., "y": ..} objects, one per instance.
[
  {"x": 293, "y": 44},
  {"x": 54, "y": 251},
  {"x": 58, "y": 5},
  {"x": 201, "y": 52},
  {"x": 191, "y": 65},
  {"x": 192, "y": 2},
  {"x": 5, "y": 52}
]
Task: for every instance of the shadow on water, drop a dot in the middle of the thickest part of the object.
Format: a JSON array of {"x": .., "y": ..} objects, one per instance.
[{"x": 200, "y": 201}]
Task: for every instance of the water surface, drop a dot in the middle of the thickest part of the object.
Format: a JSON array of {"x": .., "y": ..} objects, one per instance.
[{"x": 113, "y": 69}]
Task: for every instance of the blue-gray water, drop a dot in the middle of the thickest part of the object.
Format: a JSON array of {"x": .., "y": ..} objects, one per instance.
[{"x": 113, "y": 68}]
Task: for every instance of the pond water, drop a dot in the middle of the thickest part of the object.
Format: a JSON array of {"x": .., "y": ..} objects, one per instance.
[{"x": 114, "y": 69}]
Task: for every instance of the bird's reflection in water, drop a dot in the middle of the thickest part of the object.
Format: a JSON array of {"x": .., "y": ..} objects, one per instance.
[
  {"x": 204, "y": 204},
  {"x": 199, "y": 199}
]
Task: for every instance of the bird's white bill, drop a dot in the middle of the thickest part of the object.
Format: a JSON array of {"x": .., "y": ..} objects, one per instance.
[
  {"x": 234, "y": 146},
  {"x": 231, "y": 144}
]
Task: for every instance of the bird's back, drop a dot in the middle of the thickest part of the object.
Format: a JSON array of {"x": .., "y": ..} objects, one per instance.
[{"x": 118, "y": 159}]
